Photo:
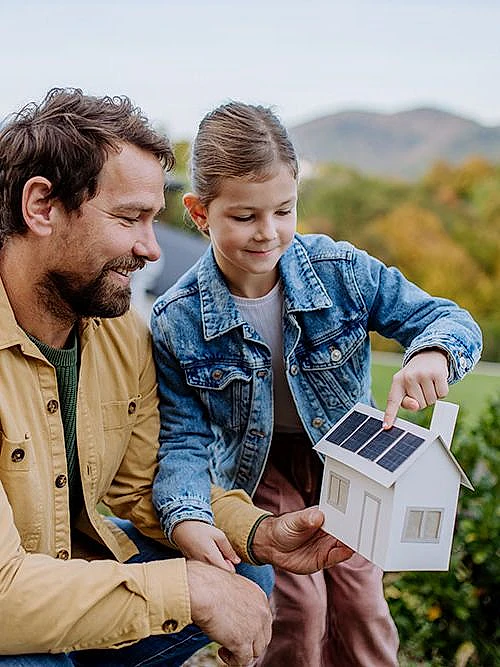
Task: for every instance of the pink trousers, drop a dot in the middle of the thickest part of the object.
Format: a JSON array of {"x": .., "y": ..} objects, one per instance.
[{"x": 333, "y": 618}]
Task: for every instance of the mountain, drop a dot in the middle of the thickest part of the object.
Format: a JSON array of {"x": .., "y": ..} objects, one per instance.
[{"x": 403, "y": 144}]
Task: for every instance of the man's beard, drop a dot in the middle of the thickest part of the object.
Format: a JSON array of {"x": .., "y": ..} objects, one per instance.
[{"x": 67, "y": 295}]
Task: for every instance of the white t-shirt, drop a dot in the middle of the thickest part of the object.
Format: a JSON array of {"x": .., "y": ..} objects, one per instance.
[{"x": 265, "y": 315}]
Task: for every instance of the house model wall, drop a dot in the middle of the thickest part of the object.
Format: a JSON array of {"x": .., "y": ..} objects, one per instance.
[{"x": 392, "y": 495}]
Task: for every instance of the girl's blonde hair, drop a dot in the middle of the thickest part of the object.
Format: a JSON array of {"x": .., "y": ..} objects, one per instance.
[{"x": 238, "y": 140}]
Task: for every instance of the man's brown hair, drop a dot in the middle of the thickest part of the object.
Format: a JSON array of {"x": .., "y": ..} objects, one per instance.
[{"x": 66, "y": 139}]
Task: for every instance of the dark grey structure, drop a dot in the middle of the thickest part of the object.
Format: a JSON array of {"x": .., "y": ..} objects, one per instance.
[{"x": 179, "y": 251}]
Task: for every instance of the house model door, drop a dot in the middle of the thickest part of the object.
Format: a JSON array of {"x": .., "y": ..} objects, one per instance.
[{"x": 370, "y": 516}]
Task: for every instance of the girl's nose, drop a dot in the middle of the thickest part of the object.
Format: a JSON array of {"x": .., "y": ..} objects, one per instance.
[{"x": 266, "y": 230}]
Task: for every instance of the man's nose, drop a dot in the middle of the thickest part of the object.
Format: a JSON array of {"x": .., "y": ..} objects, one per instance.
[{"x": 147, "y": 246}]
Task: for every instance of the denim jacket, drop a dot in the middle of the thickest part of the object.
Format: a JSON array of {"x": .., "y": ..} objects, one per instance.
[{"x": 215, "y": 375}]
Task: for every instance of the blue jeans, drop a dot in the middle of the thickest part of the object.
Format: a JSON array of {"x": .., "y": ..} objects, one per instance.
[{"x": 168, "y": 650}]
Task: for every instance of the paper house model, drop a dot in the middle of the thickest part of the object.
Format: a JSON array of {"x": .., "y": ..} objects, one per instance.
[{"x": 391, "y": 495}]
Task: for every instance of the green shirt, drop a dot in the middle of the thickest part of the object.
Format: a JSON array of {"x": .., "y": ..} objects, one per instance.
[{"x": 66, "y": 363}]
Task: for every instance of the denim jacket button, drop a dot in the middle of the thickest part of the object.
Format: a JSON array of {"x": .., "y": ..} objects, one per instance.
[
  {"x": 217, "y": 374},
  {"x": 335, "y": 355},
  {"x": 294, "y": 369},
  {"x": 317, "y": 422},
  {"x": 261, "y": 374},
  {"x": 463, "y": 362}
]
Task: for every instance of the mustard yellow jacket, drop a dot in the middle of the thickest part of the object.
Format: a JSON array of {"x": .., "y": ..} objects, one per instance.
[{"x": 51, "y": 598}]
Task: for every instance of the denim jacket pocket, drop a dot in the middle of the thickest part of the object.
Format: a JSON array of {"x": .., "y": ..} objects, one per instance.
[
  {"x": 336, "y": 366},
  {"x": 225, "y": 390}
]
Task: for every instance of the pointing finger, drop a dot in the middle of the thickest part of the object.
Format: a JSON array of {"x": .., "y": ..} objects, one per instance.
[{"x": 396, "y": 395}]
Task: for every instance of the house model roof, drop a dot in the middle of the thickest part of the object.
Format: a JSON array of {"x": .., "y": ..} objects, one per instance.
[{"x": 359, "y": 441}]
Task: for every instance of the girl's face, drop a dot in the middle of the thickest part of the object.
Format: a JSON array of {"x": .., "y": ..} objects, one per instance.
[{"x": 251, "y": 224}]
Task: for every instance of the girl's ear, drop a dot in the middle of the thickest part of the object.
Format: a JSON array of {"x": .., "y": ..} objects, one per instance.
[
  {"x": 37, "y": 205},
  {"x": 197, "y": 211}
]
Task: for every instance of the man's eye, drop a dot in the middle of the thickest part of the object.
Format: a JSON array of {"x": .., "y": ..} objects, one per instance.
[{"x": 287, "y": 212}]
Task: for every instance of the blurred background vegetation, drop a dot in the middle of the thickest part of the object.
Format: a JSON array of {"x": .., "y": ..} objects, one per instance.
[{"x": 453, "y": 618}]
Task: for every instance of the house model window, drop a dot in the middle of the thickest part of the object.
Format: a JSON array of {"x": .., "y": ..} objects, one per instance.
[
  {"x": 338, "y": 492},
  {"x": 422, "y": 525}
]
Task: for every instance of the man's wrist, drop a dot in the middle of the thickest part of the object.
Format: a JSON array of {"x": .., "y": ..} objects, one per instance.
[{"x": 256, "y": 541}]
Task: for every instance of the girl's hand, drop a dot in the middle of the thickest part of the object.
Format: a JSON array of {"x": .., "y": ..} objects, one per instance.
[
  {"x": 201, "y": 541},
  {"x": 420, "y": 383}
]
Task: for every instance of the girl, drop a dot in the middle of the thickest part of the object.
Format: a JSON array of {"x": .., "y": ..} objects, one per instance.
[{"x": 260, "y": 347}]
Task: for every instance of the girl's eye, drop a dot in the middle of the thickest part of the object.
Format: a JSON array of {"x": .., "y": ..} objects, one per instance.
[
  {"x": 242, "y": 218},
  {"x": 282, "y": 213}
]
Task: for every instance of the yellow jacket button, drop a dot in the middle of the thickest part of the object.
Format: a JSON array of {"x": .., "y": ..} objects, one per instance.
[
  {"x": 61, "y": 481},
  {"x": 17, "y": 455},
  {"x": 170, "y": 625},
  {"x": 52, "y": 406}
]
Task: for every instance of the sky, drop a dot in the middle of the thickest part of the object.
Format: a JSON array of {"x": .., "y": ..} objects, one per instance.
[{"x": 306, "y": 58}]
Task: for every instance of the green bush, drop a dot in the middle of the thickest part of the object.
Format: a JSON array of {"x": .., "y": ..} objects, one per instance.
[{"x": 452, "y": 618}]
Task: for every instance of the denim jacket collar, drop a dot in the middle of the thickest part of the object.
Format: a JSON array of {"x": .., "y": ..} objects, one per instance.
[{"x": 304, "y": 291}]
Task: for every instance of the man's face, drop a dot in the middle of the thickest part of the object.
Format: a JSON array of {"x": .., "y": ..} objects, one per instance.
[{"x": 98, "y": 247}]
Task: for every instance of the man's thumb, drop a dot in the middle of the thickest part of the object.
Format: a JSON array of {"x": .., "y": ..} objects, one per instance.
[{"x": 306, "y": 519}]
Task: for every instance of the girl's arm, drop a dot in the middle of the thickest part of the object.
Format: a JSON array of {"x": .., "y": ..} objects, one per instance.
[
  {"x": 442, "y": 342},
  {"x": 181, "y": 488},
  {"x": 399, "y": 309}
]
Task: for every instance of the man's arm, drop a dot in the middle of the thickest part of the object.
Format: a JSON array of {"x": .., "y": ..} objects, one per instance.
[
  {"x": 293, "y": 541},
  {"x": 55, "y": 605},
  {"x": 296, "y": 542},
  {"x": 231, "y": 610}
]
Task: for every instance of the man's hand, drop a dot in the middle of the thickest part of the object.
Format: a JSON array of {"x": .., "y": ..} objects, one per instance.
[
  {"x": 231, "y": 610},
  {"x": 296, "y": 542},
  {"x": 201, "y": 541},
  {"x": 420, "y": 383}
]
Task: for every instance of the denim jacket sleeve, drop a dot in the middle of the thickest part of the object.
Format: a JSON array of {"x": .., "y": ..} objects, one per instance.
[
  {"x": 401, "y": 310},
  {"x": 181, "y": 489}
]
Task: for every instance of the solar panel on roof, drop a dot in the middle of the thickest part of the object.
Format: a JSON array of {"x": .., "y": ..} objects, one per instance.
[
  {"x": 350, "y": 423},
  {"x": 362, "y": 435},
  {"x": 380, "y": 443},
  {"x": 400, "y": 452}
]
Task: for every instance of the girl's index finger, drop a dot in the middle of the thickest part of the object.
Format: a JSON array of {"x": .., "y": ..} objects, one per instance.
[{"x": 396, "y": 395}]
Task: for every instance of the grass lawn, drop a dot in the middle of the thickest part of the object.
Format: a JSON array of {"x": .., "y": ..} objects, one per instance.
[{"x": 472, "y": 393}]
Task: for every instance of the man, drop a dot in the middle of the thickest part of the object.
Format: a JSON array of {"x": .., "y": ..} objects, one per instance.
[{"x": 81, "y": 181}]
